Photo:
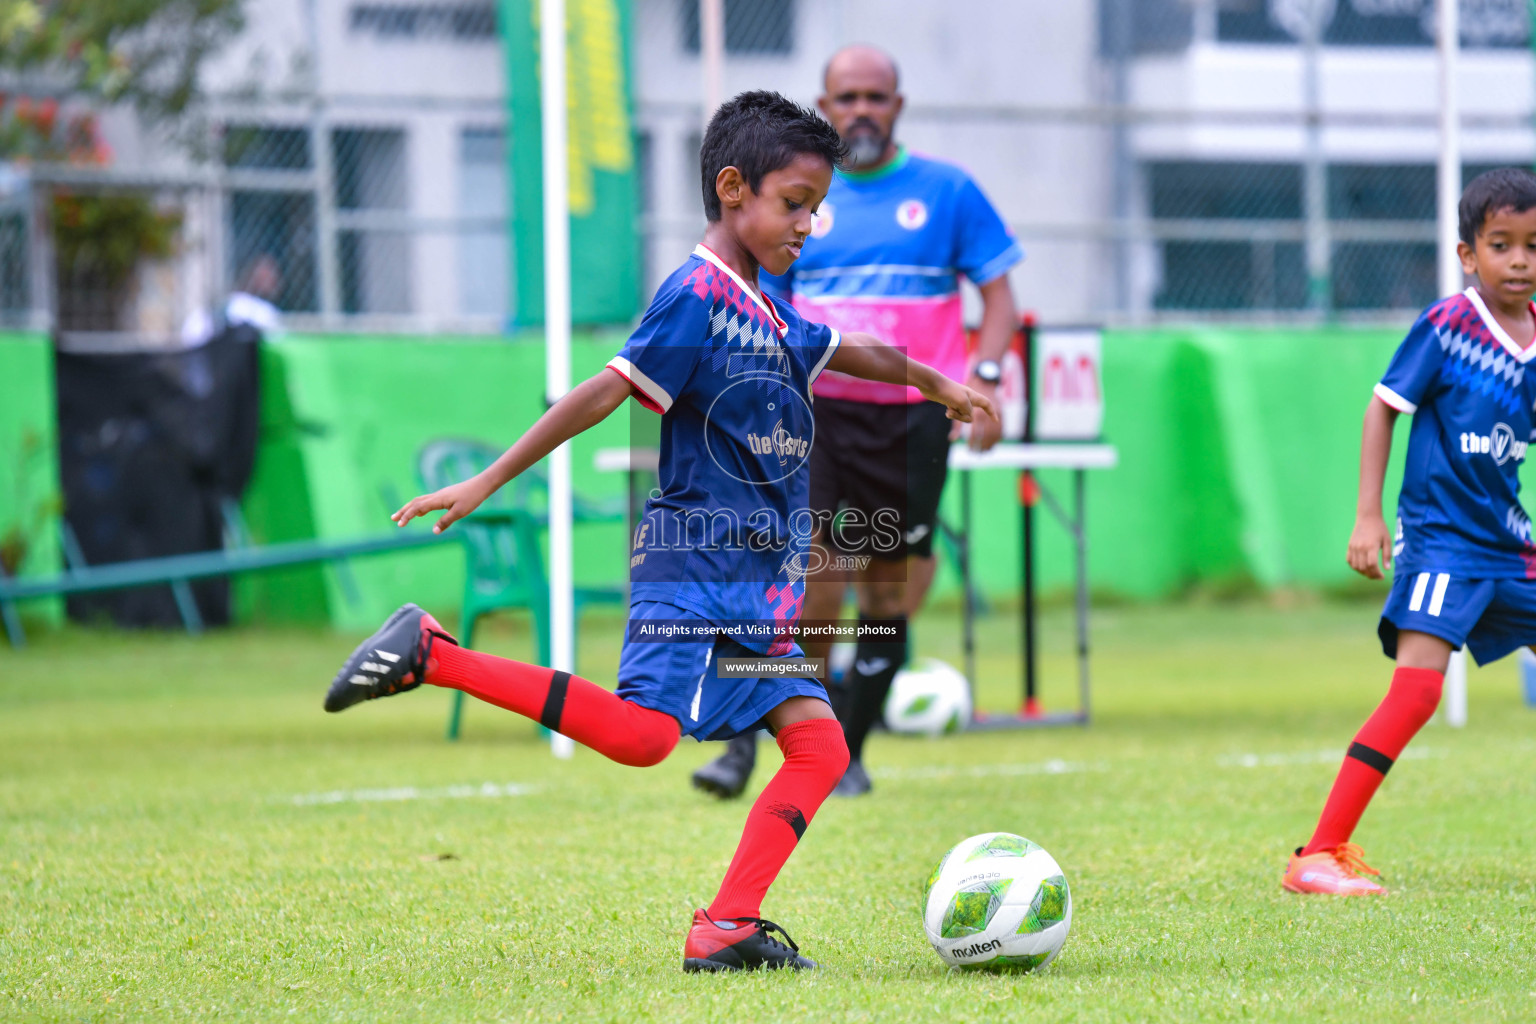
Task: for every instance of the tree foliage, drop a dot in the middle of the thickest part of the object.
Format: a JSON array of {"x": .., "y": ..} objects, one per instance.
[{"x": 144, "y": 52}]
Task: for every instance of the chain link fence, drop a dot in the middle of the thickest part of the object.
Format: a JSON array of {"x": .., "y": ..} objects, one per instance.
[
  {"x": 1307, "y": 186},
  {"x": 1244, "y": 160},
  {"x": 1225, "y": 159}
]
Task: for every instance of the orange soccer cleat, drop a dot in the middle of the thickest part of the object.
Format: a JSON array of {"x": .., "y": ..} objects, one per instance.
[{"x": 1340, "y": 871}]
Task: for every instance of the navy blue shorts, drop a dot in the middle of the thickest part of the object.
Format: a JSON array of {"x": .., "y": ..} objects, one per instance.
[
  {"x": 678, "y": 678},
  {"x": 1491, "y": 617}
]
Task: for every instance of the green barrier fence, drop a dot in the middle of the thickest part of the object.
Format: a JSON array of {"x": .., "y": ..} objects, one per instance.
[
  {"x": 1238, "y": 464},
  {"x": 1238, "y": 453},
  {"x": 30, "y": 500},
  {"x": 343, "y": 419}
]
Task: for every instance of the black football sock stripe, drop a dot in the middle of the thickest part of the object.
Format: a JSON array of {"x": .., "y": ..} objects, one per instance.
[
  {"x": 791, "y": 816},
  {"x": 554, "y": 701},
  {"x": 1370, "y": 757}
]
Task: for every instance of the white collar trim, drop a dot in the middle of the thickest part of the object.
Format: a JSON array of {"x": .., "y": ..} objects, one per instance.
[
  {"x": 707, "y": 254},
  {"x": 1523, "y": 355}
]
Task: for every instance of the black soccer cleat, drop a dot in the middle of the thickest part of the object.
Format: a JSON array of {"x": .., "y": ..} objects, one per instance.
[
  {"x": 744, "y": 944},
  {"x": 391, "y": 661},
  {"x": 855, "y": 781},
  {"x": 727, "y": 775}
]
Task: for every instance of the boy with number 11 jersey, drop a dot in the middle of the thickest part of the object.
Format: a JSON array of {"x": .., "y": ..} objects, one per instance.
[{"x": 1465, "y": 565}]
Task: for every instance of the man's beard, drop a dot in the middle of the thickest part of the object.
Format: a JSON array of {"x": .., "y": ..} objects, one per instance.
[{"x": 866, "y": 144}]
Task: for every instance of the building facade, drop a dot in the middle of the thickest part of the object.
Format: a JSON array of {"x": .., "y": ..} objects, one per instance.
[{"x": 1158, "y": 159}]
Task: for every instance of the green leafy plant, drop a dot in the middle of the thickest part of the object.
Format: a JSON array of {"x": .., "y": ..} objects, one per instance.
[
  {"x": 144, "y": 52},
  {"x": 111, "y": 231},
  {"x": 99, "y": 239}
]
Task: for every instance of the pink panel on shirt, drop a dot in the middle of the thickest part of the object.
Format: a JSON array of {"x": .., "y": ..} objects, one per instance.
[{"x": 929, "y": 329}]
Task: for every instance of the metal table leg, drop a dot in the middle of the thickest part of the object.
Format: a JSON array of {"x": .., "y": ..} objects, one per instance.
[
  {"x": 1080, "y": 536},
  {"x": 13, "y": 630},
  {"x": 1075, "y": 522},
  {"x": 967, "y": 600}
]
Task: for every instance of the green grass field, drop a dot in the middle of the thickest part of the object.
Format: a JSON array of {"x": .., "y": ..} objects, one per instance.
[{"x": 184, "y": 835}]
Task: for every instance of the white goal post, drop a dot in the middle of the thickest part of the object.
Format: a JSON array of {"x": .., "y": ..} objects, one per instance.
[{"x": 1451, "y": 281}]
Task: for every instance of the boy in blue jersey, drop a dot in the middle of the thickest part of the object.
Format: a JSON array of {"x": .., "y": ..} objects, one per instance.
[
  {"x": 1466, "y": 567},
  {"x": 891, "y": 243},
  {"x": 719, "y": 558}
]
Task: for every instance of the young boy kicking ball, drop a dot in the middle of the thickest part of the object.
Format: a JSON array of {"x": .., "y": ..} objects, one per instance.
[
  {"x": 723, "y": 547},
  {"x": 1466, "y": 567}
]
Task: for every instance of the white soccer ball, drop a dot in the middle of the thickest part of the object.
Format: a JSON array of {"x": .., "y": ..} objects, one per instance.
[
  {"x": 929, "y": 698},
  {"x": 997, "y": 901}
]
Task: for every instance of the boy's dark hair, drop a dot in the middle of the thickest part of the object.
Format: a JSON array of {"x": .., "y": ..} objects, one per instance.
[
  {"x": 758, "y": 133},
  {"x": 1504, "y": 188}
]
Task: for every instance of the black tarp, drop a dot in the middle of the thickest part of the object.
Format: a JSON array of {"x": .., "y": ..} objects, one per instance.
[{"x": 150, "y": 444}]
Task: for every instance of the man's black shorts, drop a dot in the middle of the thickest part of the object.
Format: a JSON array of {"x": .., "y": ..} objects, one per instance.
[{"x": 876, "y": 475}]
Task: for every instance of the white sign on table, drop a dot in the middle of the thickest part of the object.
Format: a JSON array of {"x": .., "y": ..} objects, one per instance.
[{"x": 1070, "y": 390}]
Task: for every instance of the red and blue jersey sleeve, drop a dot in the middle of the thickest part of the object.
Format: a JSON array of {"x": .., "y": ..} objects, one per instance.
[
  {"x": 821, "y": 343},
  {"x": 661, "y": 354},
  {"x": 1415, "y": 367},
  {"x": 984, "y": 247}
]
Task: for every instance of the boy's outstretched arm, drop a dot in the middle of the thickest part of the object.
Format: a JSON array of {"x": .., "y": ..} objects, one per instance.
[
  {"x": 587, "y": 405},
  {"x": 1371, "y": 538},
  {"x": 864, "y": 355}
]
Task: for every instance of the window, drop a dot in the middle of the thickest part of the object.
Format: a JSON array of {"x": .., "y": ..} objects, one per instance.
[
  {"x": 1486, "y": 23},
  {"x": 1385, "y": 275},
  {"x": 1382, "y": 275},
  {"x": 1381, "y": 192},
  {"x": 15, "y": 295},
  {"x": 1220, "y": 273},
  {"x": 375, "y": 261},
  {"x": 278, "y": 222},
  {"x": 467, "y": 22},
  {"x": 1397, "y": 272},
  {"x": 266, "y": 147},
  {"x": 751, "y": 26},
  {"x": 485, "y": 272},
  {"x": 1229, "y": 191},
  {"x": 369, "y": 165},
  {"x": 1136, "y": 27}
]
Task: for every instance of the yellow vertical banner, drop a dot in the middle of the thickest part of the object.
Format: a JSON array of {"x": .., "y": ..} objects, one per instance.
[{"x": 604, "y": 206}]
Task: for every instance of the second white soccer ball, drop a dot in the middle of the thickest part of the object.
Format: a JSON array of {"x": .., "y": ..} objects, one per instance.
[{"x": 928, "y": 698}]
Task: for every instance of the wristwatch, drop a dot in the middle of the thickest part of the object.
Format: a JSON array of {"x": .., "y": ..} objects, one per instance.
[{"x": 988, "y": 370}]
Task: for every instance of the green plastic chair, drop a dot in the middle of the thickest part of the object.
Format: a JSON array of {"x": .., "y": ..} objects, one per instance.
[{"x": 504, "y": 558}]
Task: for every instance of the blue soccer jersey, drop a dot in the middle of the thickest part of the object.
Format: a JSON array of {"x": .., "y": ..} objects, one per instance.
[
  {"x": 727, "y": 534},
  {"x": 885, "y": 256},
  {"x": 1464, "y": 382}
]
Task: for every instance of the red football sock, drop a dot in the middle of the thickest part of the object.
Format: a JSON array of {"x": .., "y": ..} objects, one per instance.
[
  {"x": 815, "y": 757},
  {"x": 587, "y": 713},
  {"x": 1412, "y": 699}
]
